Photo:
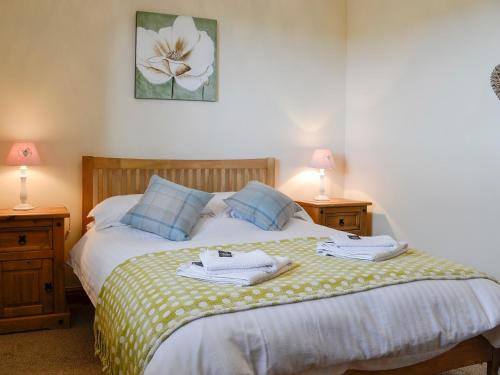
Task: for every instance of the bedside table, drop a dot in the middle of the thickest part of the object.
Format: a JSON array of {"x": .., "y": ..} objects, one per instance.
[
  {"x": 32, "y": 269},
  {"x": 342, "y": 214}
]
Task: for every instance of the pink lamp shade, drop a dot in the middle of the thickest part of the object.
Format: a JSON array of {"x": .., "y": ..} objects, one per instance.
[
  {"x": 23, "y": 153},
  {"x": 322, "y": 159}
]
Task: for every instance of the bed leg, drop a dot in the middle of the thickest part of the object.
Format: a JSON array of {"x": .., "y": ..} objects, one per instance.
[{"x": 494, "y": 364}]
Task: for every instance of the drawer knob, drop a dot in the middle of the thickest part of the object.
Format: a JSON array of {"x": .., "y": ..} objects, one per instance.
[
  {"x": 49, "y": 287},
  {"x": 341, "y": 221},
  {"x": 21, "y": 240}
]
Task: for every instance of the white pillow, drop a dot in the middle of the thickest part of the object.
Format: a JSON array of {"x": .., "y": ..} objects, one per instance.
[
  {"x": 217, "y": 206},
  {"x": 110, "y": 211},
  {"x": 303, "y": 215}
]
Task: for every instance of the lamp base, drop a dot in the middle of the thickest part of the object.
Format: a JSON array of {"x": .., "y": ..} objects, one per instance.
[
  {"x": 23, "y": 207},
  {"x": 322, "y": 197}
]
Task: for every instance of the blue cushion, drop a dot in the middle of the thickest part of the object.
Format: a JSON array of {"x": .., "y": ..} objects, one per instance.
[
  {"x": 167, "y": 209},
  {"x": 263, "y": 206}
]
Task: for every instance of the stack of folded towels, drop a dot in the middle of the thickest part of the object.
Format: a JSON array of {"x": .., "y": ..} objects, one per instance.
[
  {"x": 234, "y": 267},
  {"x": 375, "y": 249}
]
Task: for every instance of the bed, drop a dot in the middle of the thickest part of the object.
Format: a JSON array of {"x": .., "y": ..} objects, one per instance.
[{"x": 423, "y": 327}]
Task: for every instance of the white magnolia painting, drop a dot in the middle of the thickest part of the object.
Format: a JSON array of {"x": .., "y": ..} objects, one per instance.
[{"x": 175, "y": 57}]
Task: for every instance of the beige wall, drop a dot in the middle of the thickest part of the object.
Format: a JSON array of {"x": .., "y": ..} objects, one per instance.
[
  {"x": 423, "y": 125},
  {"x": 67, "y": 83}
]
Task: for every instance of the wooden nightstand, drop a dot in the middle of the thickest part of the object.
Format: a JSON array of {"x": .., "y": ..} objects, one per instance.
[
  {"x": 32, "y": 269},
  {"x": 342, "y": 214}
]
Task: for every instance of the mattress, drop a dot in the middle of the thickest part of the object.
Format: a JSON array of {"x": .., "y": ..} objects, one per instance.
[{"x": 382, "y": 328}]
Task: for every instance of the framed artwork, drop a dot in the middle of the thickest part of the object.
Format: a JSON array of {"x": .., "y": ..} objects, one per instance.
[{"x": 175, "y": 57}]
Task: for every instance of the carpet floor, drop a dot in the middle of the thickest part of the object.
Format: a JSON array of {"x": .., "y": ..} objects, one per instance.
[{"x": 71, "y": 351}]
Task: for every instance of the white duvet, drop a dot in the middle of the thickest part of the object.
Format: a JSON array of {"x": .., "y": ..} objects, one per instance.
[{"x": 382, "y": 328}]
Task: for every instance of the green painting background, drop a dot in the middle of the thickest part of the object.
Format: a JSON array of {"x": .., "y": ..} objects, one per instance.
[{"x": 146, "y": 90}]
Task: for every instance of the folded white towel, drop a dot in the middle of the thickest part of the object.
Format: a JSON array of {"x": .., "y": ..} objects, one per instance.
[
  {"x": 270, "y": 269},
  {"x": 348, "y": 240},
  {"x": 238, "y": 277},
  {"x": 370, "y": 253},
  {"x": 216, "y": 260}
]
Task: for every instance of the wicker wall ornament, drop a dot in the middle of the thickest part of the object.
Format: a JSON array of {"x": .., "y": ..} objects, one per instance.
[{"x": 495, "y": 80}]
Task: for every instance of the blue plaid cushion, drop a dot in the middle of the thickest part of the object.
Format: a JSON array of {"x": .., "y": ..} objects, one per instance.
[
  {"x": 167, "y": 209},
  {"x": 263, "y": 206}
]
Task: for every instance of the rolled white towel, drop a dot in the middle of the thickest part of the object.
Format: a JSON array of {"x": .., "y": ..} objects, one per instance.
[
  {"x": 348, "y": 240},
  {"x": 241, "y": 277},
  {"x": 216, "y": 260}
]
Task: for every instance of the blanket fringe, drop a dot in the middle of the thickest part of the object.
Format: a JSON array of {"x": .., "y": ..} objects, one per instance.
[{"x": 101, "y": 351}]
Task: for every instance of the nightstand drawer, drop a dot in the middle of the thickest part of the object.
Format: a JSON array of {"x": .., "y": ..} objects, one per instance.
[
  {"x": 346, "y": 221},
  {"x": 17, "y": 265},
  {"x": 342, "y": 214},
  {"x": 22, "y": 239}
]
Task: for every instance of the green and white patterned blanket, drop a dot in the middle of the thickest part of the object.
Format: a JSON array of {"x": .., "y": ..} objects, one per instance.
[{"x": 142, "y": 302}]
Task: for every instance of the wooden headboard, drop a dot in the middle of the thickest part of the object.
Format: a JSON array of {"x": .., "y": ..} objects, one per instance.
[{"x": 105, "y": 177}]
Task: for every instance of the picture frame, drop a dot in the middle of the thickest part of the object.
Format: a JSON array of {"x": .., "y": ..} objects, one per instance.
[{"x": 176, "y": 57}]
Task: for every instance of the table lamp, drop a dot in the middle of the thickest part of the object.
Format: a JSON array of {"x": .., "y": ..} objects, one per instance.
[
  {"x": 23, "y": 154},
  {"x": 322, "y": 159}
]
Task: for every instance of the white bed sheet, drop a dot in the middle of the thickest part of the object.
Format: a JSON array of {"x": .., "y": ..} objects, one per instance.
[{"x": 382, "y": 328}]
